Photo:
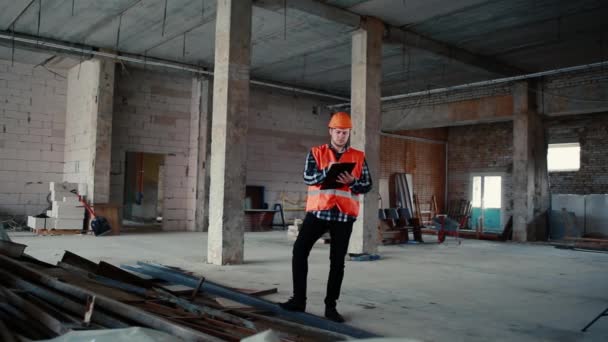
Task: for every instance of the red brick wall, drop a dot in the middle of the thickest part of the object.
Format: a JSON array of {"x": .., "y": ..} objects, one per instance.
[
  {"x": 424, "y": 160},
  {"x": 478, "y": 149}
]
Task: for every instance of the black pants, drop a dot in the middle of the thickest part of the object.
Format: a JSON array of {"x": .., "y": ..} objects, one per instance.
[{"x": 312, "y": 229}]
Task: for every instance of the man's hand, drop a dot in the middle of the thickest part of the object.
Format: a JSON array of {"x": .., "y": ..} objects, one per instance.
[{"x": 346, "y": 178}]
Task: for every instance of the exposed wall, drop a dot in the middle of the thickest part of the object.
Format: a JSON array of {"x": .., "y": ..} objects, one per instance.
[
  {"x": 282, "y": 129},
  {"x": 591, "y": 131},
  {"x": 480, "y": 149},
  {"x": 152, "y": 115},
  {"x": 32, "y": 128},
  {"x": 460, "y": 107},
  {"x": 580, "y": 92},
  {"x": 424, "y": 160}
]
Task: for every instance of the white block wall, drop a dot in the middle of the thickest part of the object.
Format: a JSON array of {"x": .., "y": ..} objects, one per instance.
[
  {"x": 32, "y": 128},
  {"x": 152, "y": 115},
  {"x": 282, "y": 129}
]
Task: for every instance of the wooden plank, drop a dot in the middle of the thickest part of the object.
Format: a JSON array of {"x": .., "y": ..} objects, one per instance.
[
  {"x": 230, "y": 304},
  {"x": 111, "y": 212},
  {"x": 178, "y": 289},
  {"x": 58, "y": 231}
]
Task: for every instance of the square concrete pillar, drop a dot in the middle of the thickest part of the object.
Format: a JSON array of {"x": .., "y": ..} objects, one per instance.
[
  {"x": 530, "y": 182},
  {"x": 88, "y": 134},
  {"x": 229, "y": 132},
  {"x": 200, "y": 151},
  {"x": 103, "y": 129},
  {"x": 366, "y": 115}
]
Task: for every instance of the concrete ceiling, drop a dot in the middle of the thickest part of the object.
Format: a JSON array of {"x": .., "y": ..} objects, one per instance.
[{"x": 306, "y": 50}]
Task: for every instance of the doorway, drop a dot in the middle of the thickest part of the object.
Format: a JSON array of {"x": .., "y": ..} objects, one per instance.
[
  {"x": 143, "y": 190},
  {"x": 487, "y": 202}
]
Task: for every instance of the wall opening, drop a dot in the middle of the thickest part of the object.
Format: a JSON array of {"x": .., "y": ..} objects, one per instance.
[
  {"x": 564, "y": 157},
  {"x": 143, "y": 189},
  {"x": 487, "y": 202}
]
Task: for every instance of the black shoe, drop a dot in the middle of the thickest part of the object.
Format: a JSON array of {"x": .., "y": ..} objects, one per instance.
[
  {"x": 332, "y": 314},
  {"x": 293, "y": 305}
]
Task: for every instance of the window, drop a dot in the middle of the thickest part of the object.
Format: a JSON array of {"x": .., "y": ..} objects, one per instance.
[{"x": 564, "y": 157}]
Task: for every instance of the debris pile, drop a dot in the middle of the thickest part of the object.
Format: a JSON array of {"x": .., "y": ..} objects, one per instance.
[{"x": 42, "y": 301}]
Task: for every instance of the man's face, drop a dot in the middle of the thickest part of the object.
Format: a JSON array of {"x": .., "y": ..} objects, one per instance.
[{"x": 339, "y": 137}]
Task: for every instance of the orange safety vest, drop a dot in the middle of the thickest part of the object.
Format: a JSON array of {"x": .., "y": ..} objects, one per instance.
[{"x": 342, "y": 198}]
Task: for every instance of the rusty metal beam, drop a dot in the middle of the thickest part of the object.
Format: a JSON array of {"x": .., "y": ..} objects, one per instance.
[{"x": 136, "y": 315}]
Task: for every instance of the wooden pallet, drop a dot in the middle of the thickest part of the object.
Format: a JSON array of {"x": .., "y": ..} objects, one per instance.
[{"x": 58, "y": 231}]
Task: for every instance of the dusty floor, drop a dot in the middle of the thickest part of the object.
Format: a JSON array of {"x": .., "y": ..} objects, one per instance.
[{"x": 477, "y": 291}]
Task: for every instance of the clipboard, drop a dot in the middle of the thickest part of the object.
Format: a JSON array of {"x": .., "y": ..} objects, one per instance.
[{"x": 331, "y": 178}]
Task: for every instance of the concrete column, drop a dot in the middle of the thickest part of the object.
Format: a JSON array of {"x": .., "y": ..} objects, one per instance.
[
  {"x": 200, "y": 151},
  {"x": 366, "y": 115},
  {"x": 530, "y": 185},
  {"x": 88, "y": 141},
  {"x": 103, "y": 129},
  {"x": 229, "y": 132}
]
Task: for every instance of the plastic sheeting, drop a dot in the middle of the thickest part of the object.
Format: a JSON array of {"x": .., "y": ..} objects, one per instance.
[{"x": 135, "y": 334}]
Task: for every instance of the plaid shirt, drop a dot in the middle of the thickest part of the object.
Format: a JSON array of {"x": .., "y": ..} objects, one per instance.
[{"x": 314, "y": 176}]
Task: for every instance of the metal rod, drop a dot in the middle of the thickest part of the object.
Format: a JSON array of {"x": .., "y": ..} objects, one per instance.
[
  {"x": 604, "y": 313},
  {"x": 171, "y": 275},
  {"x": 445, "y": 198},
  {"x": 82, "y": 50},
  {"x": 297, "y": 90},
  {"x": 164, "y": 18},
  {"x": 34, "y": 311},
  {"x": 14, "y": 21},
  {"x": 485, "y": 83},
  {"x": 164, "y": 295},
  {"x": 297, "y": 327},
  {"x": 132, "y": 313},
  {"x": 407, "y": 137},
  {"x": 5, "y": 334},
  {"x": 24, "y": 325},
  {"x": 118, "y": 32}
]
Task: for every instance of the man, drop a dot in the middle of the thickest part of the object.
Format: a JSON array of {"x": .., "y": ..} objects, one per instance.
[{"x": 333, "y": 210}]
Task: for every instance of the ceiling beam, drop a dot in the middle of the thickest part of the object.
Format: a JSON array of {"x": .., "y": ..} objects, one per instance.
[
  {"x": 317, "y": 8},
  {"x": 397, "y": 35},
  {"x": 393, "y": 35}
]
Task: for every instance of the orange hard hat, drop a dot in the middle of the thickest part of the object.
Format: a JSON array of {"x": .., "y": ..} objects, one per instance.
[{"x": 340, "y": 120}]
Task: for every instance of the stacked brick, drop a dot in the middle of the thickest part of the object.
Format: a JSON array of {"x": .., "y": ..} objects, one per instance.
[{"x": 66, "y": 213}]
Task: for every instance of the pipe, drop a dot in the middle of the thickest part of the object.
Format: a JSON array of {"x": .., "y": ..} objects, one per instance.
[
  {"x": 134, "y": 314},
  {"x": 485, "y": 83},
  {"x": 171, "y": 275},
  {"x": 34, "y": 311},
  {"x": 407, "y": 137},
  {"x": 46, "y": 44},
  {"x": 445, "y": 198},
  {"x": 5, "y": 334},
  {"x": 62, "y": 302},
  {"x": 156, "y": 293}
]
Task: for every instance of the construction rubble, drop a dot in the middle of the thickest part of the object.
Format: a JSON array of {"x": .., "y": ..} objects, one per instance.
[
  {"x": 67, "y": 213},
  {"x": 40, "y": 301}
]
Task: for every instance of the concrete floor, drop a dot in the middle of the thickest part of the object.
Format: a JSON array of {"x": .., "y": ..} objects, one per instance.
[{"x": 477, "y": 291}]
